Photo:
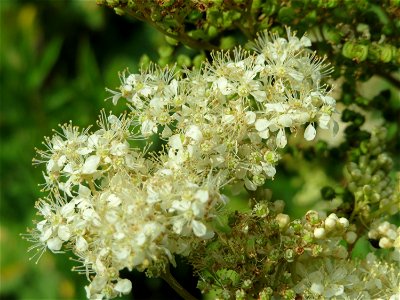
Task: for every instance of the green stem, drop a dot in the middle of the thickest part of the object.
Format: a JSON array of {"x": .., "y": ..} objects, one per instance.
[{"x": 180, "y": 290}]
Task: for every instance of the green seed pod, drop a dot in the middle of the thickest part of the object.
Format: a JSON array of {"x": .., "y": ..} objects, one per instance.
[{"x": 357, "y": 52}]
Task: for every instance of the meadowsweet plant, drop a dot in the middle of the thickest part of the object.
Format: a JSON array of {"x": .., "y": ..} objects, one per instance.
[{"x": 210, "y": 129}]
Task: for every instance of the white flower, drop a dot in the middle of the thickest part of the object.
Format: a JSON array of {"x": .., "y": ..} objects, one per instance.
[{"x": 123, "y": 286}]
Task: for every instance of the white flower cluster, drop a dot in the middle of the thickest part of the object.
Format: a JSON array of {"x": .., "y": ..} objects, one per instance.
[
  {"x": 387, "y": 234},
  {"x": 348, "y": 279},
  {"x": 118, "y": 207},
  {"x": 115, "y": 208},
  {"x": 232, "y": 115}
]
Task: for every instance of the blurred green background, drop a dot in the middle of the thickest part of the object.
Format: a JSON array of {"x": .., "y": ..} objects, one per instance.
[{"x": 56, "y": 58}]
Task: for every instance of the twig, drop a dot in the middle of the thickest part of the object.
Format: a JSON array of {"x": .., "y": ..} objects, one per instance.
[{"x": 180, "y": 290}]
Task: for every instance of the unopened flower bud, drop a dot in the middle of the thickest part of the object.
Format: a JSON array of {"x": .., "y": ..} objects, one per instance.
[
  {"x": 330, "y": 223},
  {"x": 283, "y": 220},
  {"x": 319, "y": 233},
  {"x": 351, "y": 237},
  {"x": 344, "y": 222},
  {"x": 385, "y": 243}
]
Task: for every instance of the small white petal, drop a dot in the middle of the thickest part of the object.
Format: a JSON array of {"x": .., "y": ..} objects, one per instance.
[
  {"x": 285, "y": 120},
  {"x": 317, "y": 288},
  {"x": 260, "y": 96},
  {"x": 175, "y": 142},
  {"x": 123, "y": 286},
  {"x": 201, "y": 195},
  {"x": 335, "y": 127},
  {"x": 310, "y": 132},
  {"x": 262, "y": 124},
  {"x": 281, "y": 140},
  {"x": 194, "y": 133},
  {"x": 64, "y": 233},
  {"x": 250, "y": 117},
  {"x": 81, "y": 244},
  {"x": 91, "y": 164},
  {"x": 264, "y": 134},
  {"x": 199, "y": 229},
  {"x": 167, "y": 132},
  {"x": 323, "y": 121},
  {"x": 54, "y": 244},
  {"x": 113, "y": 200},
  {"x": 226, "y": 119}
]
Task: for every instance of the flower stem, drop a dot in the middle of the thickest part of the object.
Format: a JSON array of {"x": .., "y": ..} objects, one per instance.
[{"x": 180, "y": 290}]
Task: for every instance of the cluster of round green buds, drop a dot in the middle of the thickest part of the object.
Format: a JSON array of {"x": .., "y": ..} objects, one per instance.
[
  {"x": 369, "y": 180},
  {"x": 386, "y": 233},
  {"x": 362, "y": 50},
  {"x": 267, "y": 242}
]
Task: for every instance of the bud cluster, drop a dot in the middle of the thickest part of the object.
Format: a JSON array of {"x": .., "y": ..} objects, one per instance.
[
  {"x": 369, "y": 180},
  {"x": 268, "y": 243}
]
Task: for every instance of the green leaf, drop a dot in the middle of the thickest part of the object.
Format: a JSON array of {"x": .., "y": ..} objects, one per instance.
[{"x": 47, "y": 61}]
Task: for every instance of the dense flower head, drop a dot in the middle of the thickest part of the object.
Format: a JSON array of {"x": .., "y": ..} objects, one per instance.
[
  {"x": 233, "y": 113},
  {"x": 116, "y": 206}
]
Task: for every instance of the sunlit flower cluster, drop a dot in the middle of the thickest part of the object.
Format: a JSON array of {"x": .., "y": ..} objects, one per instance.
[
  {"x": 116, "y": 206},
  {"x": 233, "y": 113},
  {"x": 348, "y": 279}
]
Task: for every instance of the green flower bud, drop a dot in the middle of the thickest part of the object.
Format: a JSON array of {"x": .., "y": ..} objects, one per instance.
[
  {"x": 229, "y": 17},
  {"x": 163, "y": 61},
  {"x": 357, "y": 52},
  {"x": 331, "y": 34},
  {"x": 227, "y": 42},
  {"x": 214, "y": 16},
  {"x": 269, "y": 8},
  {"x": 183, "y": 60},
  {"x": 387, "y": 53},
  {"x": 311, "y": 17},
  {"x": 286, "y": 14},
  {"x": 112, "y": 2},
  {"x": 165, "y": 51},
  {"x": 119, "y": 11},
  {"x": 171, "y": 41},
  {"x": 197, "y": 34},
  {"x": 328, "y": 193},
  {"x": 144, "y": 61},
  {"x": 289, "y": 255},
  {"x": 265, "y": 294},
  {"x": 198, "y": 59},
  {"x": 194, "y": 15},
  {"x": 240, "y": 295},
  {"x": 212, "y": 31},
  {"x": 289, "y": 294}
]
